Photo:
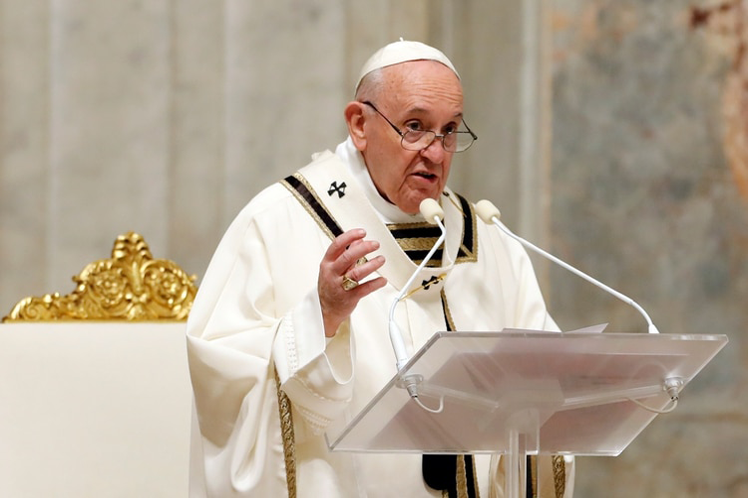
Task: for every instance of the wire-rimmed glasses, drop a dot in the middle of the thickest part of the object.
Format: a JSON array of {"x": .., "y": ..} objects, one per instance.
[{"x": 416, "y": 140}]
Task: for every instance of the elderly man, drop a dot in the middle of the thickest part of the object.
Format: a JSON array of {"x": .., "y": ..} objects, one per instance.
[{"x": 289, "y": 329}]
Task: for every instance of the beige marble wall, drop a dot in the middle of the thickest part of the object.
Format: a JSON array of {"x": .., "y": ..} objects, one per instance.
[
  {"x": 24, "y": 180},
  {"x": 648, "y": 161}
]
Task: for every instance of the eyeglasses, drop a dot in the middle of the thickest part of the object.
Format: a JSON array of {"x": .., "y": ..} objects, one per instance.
[{"x": 416, "y": 140}]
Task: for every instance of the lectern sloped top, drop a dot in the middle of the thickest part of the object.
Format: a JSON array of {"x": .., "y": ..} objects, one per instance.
[{"x": 573, "y": 390}]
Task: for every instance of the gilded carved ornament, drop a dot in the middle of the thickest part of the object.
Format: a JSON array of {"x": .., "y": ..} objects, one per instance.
[{"x": 131, "y": 285}]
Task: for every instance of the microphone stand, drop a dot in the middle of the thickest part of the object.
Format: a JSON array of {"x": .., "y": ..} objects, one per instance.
[
  {"x": 491, "y": 214},
  {"x": 434, "y": 215}
]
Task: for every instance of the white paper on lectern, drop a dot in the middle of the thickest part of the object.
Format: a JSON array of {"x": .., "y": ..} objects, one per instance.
[{"x": 592, "y": 329}]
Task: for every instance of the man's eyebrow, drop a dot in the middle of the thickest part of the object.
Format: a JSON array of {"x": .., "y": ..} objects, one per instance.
[{"x": 423, "y": 110}]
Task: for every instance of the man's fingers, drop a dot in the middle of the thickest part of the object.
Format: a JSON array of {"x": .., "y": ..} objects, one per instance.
[
  {"x": 342, "y": 242},
  {"x": 352, "y": 256},
  {"x": 342, "y": 273},
  {"x": 360, "y": 272},
  {"x": 367, "y": 287}
]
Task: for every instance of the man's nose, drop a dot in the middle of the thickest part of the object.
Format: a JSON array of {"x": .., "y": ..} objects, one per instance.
[{"x": 435, "y": 150}]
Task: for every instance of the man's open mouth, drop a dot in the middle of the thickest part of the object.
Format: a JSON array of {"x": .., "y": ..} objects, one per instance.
[{"x": 424, "y": 174}]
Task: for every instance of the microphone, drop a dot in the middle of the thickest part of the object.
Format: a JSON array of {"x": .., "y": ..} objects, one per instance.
[
  {"x": 434, "y": 214},
  {"x": 432, "y": 211},
  {"x": 491, "y": 214}
]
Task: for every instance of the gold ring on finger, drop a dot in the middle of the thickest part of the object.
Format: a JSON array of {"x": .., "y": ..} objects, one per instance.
[{"x": 348, "y": 283}]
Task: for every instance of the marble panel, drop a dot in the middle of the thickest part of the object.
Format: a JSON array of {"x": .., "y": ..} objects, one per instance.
[
  {"x": 366, "y": 30},
  {"x": 488, "y": 55},
  {"x": 197, "y": 125},
  {"x": 24, "y": 152},
  {"x": 108, "y": 128},
  {"x": 646, "y": 196},
  {"x": 370, "y": 26},
  {"x": 284, "y": 90}
]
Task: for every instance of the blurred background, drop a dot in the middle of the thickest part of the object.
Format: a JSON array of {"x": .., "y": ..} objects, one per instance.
[{"x": 612, "y": 132}]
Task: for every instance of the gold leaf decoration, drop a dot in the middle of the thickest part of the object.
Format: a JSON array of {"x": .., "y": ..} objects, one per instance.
[{"x": 129, "y": 286}]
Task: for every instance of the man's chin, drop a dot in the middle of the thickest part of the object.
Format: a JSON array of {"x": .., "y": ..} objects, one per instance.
[{"x": 414, "y": 206}]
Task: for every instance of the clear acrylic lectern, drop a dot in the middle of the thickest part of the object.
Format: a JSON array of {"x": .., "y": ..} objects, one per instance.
[{"x": 522, "y": 392}]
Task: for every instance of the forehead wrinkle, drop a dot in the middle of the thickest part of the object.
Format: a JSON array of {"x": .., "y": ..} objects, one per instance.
[
  {"x": 416, "y": 85},
  {"x": 423, "y": 110}
]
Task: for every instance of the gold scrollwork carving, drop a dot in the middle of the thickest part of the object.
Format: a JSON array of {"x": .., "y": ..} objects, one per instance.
[{"x": 129, "y": 286}]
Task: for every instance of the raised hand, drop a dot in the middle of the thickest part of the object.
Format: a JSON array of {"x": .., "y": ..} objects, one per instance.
[{"x": 341, "y": 270}]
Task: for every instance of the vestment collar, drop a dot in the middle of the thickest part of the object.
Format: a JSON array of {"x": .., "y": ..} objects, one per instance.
[{"x": 338, "y": 193}]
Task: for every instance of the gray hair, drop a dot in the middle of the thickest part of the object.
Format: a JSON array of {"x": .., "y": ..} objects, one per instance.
[{"x": 370, "y": 87}]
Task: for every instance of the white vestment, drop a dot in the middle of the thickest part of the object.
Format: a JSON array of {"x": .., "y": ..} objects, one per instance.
[{"x": 257, "y": 313}]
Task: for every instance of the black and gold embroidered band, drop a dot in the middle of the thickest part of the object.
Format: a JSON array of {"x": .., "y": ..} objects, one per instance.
[
  {"x": 417, "y": 239},
  {"x": 306, "y": 195},
  {"x": 289, "y": 445},
  {"x": 469, "y": 248}
]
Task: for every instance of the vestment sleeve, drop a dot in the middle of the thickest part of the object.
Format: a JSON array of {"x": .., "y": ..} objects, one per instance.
[{"x": 239, "y": 333}]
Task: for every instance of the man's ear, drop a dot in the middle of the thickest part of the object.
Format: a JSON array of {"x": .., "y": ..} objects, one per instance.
[{"x": 355, "y": 119}]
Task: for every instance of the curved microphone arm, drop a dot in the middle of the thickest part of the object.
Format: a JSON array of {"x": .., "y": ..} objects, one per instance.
[
  {"x": 491, "y": 214},
  {"x": 434, "y": 214}
]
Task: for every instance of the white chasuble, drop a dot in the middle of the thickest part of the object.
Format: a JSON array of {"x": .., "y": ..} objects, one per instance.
[{"x": 257, "y": 315}]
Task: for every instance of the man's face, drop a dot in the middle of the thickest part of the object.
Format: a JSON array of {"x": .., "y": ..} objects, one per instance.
[{"x": 415, "y": 95}]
